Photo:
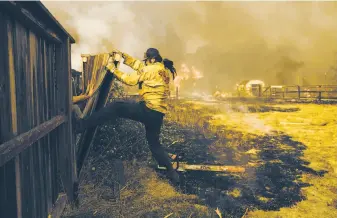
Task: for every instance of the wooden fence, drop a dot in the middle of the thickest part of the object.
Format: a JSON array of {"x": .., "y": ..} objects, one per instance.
[
  {"x": 37, "y": 153},
  {"x": 318, "y": 92}
]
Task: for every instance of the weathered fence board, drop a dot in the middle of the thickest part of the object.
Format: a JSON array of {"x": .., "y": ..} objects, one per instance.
[
  {"x": 15, "y": 146},
  {"x": 66, "y": 162},
  {"x": 7, "y": 173},
  {"x": 99, "y": 83},
  {"x": 8, "y": 201}
]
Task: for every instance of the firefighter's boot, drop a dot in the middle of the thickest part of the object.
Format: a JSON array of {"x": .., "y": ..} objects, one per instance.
[{"x": 173, "y": 176}]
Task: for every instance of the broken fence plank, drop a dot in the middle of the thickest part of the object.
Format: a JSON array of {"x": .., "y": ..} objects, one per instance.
[
  {"x": 15, "y": 146},
  {"x": 80, "y": 98},
  {"x": 214, "y": 168},
  {"x": 231, "y": 169}
]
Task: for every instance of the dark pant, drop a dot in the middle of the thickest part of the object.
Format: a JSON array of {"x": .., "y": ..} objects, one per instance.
[{"x": 152, "y": 120}]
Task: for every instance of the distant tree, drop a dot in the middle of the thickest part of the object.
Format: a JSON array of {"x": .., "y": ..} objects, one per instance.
[
  {"x": 330, "y": 76},
  {"x": 334, "y": 75},
  {"x": 333, "y": 71},
  {"x": 281, "y": 77},
  {"x": 305, "y": 82},
  {"x": 286, "y": 68}
]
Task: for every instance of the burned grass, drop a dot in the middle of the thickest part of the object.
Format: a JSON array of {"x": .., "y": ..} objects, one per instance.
[
  {"x": 273, "y": 177},
  {"x": 289, "y": 168}
]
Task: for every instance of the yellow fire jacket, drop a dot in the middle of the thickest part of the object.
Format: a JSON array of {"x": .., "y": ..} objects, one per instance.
[{"x": 155, "y": 80}]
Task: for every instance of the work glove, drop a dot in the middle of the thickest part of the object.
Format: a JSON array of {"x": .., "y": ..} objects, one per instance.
[
  {"x": 116, "y": 51},
  {"x": 111, "y": 64}
]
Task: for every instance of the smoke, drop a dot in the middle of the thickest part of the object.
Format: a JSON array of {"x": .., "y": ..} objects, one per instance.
[
  {"x": 253, "y": 121},
  {"x": 242, "y": 117},
  {"x": 277, "y": 42}
]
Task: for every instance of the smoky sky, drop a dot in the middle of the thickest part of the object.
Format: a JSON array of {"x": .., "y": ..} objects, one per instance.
[{"x": 277, "y": 42}]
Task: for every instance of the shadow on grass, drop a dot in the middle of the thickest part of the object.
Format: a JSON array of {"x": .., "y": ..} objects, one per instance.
[
  {"x": 274, "y": 182},
  {"x": 262, "y": 109}
]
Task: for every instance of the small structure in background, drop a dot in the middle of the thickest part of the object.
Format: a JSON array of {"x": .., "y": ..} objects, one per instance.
[{"x": 250, "y": 88}]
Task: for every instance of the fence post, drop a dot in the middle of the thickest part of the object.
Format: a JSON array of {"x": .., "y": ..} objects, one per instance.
[
  {"x": 299, "y": 92},
  {"x": 283, "y": 94},
  {"x": 66, "y": 150},
  {"x": 259, "y": 90},
  {"x": 319, "y": 94}
]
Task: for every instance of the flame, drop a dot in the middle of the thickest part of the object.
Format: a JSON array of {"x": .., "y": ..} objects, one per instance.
[
  {"x": 222, "y": 95},
  {"x": 185, "y": 69},
  {"x": 186, "y": 73},
  {"x": 196, "y": 74}
]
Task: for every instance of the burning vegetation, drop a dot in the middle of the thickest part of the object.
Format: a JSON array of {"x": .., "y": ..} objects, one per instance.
[{"x": 188, "y": 77}]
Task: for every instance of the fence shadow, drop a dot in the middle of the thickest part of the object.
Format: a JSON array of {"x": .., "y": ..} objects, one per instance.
[
  {"x": 258, "y": 108},
  {"x": 262, "y": 109}
]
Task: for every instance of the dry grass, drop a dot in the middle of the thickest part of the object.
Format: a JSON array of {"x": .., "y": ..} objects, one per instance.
[{"x": 145, "y": 194}]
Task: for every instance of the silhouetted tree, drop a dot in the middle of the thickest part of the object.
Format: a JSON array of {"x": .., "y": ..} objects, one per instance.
[{"x": 286, "y": 68}]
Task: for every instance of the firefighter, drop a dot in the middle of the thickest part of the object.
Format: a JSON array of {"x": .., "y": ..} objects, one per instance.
[{"x": 153, "y": 77}]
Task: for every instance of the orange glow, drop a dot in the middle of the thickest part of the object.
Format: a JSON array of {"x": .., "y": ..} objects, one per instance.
[{"x": 187, "y": 73}]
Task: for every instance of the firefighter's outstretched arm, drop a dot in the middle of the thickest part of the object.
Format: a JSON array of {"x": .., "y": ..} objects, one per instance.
[
  {"x": 134, "y": 63},
  {"x": 129, "y": 79}
]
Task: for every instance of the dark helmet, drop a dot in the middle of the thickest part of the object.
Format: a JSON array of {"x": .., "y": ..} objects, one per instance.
[{"x": 151, "y": 53}]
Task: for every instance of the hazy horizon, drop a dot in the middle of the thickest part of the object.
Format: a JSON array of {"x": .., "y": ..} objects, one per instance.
[{"x": 226, "y": 42}]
